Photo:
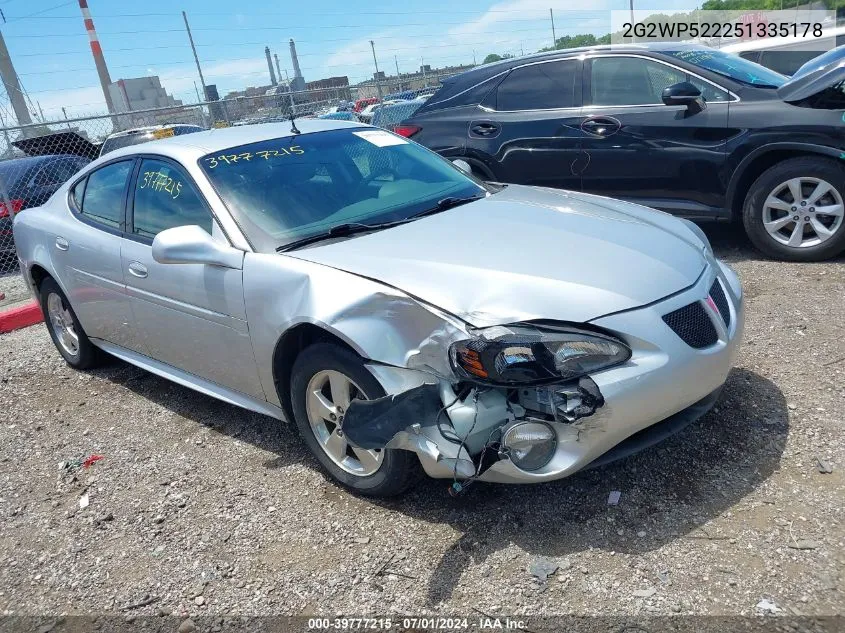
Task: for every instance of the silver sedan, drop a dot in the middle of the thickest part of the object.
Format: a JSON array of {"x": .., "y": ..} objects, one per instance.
[{"x": 400, "y": 312}]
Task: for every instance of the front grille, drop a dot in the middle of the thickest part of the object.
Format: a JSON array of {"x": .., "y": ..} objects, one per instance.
[
  {"x": 693, "y": 325},
  {"x": 717, "y": 293}
]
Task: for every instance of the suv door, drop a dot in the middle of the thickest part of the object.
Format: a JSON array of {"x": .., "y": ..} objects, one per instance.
[
  {"x": 641, "y": 150},
  {"x": 85, "y": 250},
  {"x": 527, "y": 128},
  {"x": 189, "y": 316}
]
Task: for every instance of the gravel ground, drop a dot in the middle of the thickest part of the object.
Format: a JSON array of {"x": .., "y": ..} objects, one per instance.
[
  {"x": 202, "y": 508},
  {"x": 13, "y": 287}
]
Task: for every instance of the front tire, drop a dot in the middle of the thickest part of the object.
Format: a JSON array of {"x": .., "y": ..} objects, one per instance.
[
  {"x": 325, "y": 379},
  {"x": 64, "y": 328},
  {"x": 795, "y": 212}
]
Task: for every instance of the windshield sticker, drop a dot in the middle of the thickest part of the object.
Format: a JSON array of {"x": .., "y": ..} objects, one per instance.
[
  {"x": 159, "y": 181},
  {"x": 380, "y": 138},
  {"x": 266, "y": 154}
]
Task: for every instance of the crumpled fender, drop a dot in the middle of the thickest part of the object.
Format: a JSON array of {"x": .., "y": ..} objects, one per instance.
[{"x": 380, "y": 323}]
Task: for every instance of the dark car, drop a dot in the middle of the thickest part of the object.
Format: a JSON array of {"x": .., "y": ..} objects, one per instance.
[
  {"x": 29, "y": 182},
  {"x": 687, "y": 129}
]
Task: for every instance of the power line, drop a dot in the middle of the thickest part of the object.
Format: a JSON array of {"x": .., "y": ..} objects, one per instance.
[
  {"x": 481, "y": 12},
  {"x": 489, "y": 43},
  {"x": 309, "y": 41},
  {"x": 38, "y": 13},
  {"x": 259, "y": 28}
]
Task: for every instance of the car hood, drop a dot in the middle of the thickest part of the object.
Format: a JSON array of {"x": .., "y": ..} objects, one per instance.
[
  {"x": 528, "y": 253},
  {"x": 806, "y": 84}
]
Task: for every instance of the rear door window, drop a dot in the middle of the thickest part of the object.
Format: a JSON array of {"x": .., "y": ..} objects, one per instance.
[
  {"x": 105, "y": 193},
  {"x": 543, "y": 86}
]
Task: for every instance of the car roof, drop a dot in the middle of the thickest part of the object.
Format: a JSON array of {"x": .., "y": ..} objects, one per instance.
[
  {"x": 455, "y": 85},
  {"x": 148, "y": 128},
  {"x": 25, "y": 162},
  {"x": 192, "y": 146}
]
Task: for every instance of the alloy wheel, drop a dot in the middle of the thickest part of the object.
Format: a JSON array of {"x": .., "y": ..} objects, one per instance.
[
  {"x": 327, "y": 400},
  {"x": 803, "y": 212},
  {"x": 61, "y": 321}
]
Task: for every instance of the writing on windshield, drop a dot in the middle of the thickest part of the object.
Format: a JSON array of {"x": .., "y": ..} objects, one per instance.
[{"x": 731, "y": 66}]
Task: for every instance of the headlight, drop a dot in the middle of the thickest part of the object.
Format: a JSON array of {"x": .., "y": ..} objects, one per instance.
[
  {"x": 692, "y": 226},
  {"x": 524, "y": 354},
  {"x": 530, "y": 445}
]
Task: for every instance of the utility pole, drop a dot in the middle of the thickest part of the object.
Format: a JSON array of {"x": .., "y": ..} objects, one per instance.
[
  {"x": 13, "y": 87},
  {"x": 9, "y": 151},
  {"x": 474, "y": 63},
  {"x": 422, "y": 69},
  {"x": 194, "y": 49},
  {"x": 631, "y": 4},
  {"x": 554, "y": 37},
  {"x": 40, "y": 111},
  {"x": 64, "y": 113},
  {"x": 398, "y": 76},
  {"x": 375, "y": 61},
  {"x": 290, "y": 92}
]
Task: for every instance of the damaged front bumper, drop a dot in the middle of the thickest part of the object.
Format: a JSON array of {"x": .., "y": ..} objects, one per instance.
[{"x": 664, "y": 386}]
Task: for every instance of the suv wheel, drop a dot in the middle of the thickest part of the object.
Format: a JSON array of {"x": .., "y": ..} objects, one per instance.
[
  {"x": 325, "y": 379},
  {"x": 795, "y": 210}
]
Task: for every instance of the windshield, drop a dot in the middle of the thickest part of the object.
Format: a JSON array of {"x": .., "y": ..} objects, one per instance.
[
  {"x": 285, "y": 189},
  {"x": 732, "y": 66}
]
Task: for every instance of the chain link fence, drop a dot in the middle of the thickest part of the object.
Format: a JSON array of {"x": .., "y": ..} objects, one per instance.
[{"x": 35, "y": 160}]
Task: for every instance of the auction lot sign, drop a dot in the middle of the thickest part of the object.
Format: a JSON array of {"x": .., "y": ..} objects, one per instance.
[{"x": 802, "y": 29}]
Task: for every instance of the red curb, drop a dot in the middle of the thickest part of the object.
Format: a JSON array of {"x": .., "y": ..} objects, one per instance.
[{"x": 20, "y": 317}]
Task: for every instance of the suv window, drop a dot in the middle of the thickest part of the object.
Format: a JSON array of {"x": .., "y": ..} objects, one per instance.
[
  {"x": 638, "y": 81},
  {"x": 539, "y": 87},
  {"x": 103, "y": 196},
  {"x": 785, "y": 62},
  {"x": 165, "y": 198}
]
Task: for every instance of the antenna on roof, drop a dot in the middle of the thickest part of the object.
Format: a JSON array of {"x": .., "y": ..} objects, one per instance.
[{"x": 293, "y": 128}]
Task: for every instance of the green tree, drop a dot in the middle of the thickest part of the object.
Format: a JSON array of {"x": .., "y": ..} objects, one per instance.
[{"x": 493, "y": 57}]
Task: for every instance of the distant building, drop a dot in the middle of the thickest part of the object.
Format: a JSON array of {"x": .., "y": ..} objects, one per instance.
[
  {"x": 242, "y": 103},
  {"x": 141, "y": 93},
  {"x": 428, "y": 77},
  {"x": 331, "y": 88},
  {"x": 145, "y": 93}
]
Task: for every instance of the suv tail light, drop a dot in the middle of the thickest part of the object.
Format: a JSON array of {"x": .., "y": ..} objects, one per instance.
[
  {"x": 406, "y": 130},
  {"x": 17, "y": 205}
]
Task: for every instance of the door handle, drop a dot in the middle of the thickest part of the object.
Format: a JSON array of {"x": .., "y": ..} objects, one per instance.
[
  {"x": 138, "y": 269},
  {"x": 601, "y": 125},
  {"x": 62, "y": 244},
  {"x": 484, "y": 129}
]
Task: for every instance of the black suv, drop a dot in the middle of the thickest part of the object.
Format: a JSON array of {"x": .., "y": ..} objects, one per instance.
[{"x": 687, "y": 129}]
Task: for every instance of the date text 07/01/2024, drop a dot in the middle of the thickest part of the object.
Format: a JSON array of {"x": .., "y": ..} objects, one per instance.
[{"x": 481, "y": 623}]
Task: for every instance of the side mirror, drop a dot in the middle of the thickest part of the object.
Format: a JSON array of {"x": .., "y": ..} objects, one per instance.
[
  {"x": 683, "y": 93},
  {"x": 463, "y": 166},
  {"x": 193, "y": 245}
]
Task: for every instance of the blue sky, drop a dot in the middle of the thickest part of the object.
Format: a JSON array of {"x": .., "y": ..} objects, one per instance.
[{"x": 49, "y": 46}]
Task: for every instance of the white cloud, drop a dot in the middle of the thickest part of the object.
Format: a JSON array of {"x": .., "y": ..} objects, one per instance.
[{"x": 505, "y": 27}]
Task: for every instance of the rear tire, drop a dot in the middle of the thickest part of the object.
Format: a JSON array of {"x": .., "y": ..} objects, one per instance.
[
  {"x": 322, "y": 368},
  {"x": 788, "y": 191},
  {"x": 64, "y": 328}
]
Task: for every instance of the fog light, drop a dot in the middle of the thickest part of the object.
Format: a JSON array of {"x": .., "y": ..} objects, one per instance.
[{"x": 530, "y": 445}]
